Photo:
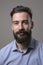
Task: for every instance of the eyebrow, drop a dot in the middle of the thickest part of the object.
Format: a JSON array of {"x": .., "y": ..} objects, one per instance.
[{"x": 18, "y": 21}]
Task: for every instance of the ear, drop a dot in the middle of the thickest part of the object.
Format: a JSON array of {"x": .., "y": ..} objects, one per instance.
[{"x": 32, "y": 24}]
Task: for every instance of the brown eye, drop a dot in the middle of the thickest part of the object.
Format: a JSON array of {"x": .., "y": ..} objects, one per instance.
[
  {"x": 25, "y": 21},
  {"x": 15, "y": 22}
]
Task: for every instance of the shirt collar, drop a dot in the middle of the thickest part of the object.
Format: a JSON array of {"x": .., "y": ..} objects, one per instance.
[
  {"x": 31, "y": 45},
  {"x": 14, "y": 48}
]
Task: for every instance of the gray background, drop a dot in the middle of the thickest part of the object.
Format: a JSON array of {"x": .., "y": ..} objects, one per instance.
[{"x": 6, "y": 6}]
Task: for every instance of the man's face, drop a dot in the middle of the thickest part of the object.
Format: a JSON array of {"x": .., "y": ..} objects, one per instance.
[{"x": 21, "y": 26}]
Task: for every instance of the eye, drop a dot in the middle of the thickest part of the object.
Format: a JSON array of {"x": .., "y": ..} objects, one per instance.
[
  {"x": 25, "y": 22},
  {"x": 15, "y": 22}
]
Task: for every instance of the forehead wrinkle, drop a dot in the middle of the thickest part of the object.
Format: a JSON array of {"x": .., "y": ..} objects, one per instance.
[{"x": 20, "y": 16}]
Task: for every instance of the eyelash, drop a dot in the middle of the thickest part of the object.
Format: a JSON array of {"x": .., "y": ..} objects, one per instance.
[
  {"x": 15, "y": 22},
  {"x": 23, "y": 22},
  {"x": 26, "y": 22}
]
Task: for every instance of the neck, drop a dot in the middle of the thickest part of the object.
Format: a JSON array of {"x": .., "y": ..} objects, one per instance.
[{"x": 23, "y": 46}]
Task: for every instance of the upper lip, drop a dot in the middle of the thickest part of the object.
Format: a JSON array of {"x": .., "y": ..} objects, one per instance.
[{"x": 21, "y": 33}]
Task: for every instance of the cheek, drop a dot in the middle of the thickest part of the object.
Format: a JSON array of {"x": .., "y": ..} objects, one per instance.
[
  {"x": 14, "y": 28},
  {"x": 27, "y": 27}
]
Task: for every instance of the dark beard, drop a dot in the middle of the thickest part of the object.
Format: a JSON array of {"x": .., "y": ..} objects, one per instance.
[{"x": 26, "y": 37}]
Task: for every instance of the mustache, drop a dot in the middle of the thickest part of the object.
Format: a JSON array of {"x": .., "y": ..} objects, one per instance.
[{"x": 22, "y": 31}]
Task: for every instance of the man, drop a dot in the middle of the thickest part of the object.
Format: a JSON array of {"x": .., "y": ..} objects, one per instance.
[{"x": 24, "y": 50}]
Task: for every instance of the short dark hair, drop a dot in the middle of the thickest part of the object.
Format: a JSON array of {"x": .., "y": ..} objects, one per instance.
[{"x": 21, "y": 9}]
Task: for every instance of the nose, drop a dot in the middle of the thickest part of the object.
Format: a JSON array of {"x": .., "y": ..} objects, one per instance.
[{"x": 20, "y": 26}]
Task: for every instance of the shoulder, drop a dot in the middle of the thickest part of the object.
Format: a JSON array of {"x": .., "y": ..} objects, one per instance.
[
  {"x": 39, "y": 51},
  {"x": 4, "y": 52},
  {"x": 38, "y": 44},
  {"x": 38, "y": 47},
  {"x": 7, "y": 47},
  {"x": 41, "y": 48}
]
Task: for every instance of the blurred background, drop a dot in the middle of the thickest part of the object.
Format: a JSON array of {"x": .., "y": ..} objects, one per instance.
[{"x": 6, "y": 6}]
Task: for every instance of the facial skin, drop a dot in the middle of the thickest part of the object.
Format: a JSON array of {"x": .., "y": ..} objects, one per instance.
[{"x": 21, "y": 27}]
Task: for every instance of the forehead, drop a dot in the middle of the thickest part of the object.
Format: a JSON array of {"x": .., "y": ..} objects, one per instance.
[{"x": 20, "y": 16}]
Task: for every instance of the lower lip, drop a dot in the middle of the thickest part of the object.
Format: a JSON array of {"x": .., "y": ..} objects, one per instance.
[{"x": 21, "y": 33}]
